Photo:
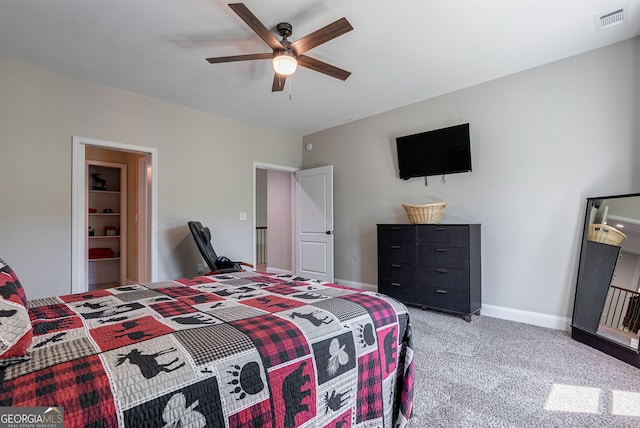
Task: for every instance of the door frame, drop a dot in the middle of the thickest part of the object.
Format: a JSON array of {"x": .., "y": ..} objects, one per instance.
[
  {"x": 145, "y": 210},
  {"x": 268, "y": 166},
  {"x": 79, "y": 268}
]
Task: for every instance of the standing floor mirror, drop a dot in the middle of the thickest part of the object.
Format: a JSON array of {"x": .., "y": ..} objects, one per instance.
[{"x": 606, "y": 312}]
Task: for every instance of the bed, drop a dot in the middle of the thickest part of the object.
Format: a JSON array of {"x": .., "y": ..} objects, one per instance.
[{"x": 235, "y": 350}]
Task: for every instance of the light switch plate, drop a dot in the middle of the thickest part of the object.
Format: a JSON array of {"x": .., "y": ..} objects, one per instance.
[{"x": 243, "y": 216}]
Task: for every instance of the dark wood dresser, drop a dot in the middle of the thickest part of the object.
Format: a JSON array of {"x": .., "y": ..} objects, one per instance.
[{"x": 434, "y": 266}]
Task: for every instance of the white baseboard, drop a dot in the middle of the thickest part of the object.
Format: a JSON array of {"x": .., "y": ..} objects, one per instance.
[
  {"x": 527, "y": 317},
  {"x": 360, "y": 285},
  {"x": 517, "y": 315},
  {"x": 279, "y": 271}
]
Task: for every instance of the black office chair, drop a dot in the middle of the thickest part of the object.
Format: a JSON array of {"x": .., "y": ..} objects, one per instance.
[{"x": 218, "y": 265}]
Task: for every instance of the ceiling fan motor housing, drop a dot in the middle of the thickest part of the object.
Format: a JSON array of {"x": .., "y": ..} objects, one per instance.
[{"x": 284, "y": 29}]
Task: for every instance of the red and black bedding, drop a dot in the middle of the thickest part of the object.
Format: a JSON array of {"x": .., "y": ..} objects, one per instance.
[{"x": 236, "y": 350}]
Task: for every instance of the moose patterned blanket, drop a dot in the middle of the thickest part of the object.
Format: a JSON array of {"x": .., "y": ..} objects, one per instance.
[{"x": 239, "y": 350}]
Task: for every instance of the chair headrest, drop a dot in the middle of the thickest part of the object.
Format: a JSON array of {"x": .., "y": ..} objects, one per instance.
[{"x": 205, "y": 234}]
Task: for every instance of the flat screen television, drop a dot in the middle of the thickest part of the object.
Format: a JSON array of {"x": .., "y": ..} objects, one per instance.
[{"x": 438, "y": 152}]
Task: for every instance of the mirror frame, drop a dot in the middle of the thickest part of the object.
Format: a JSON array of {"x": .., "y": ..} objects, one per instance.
[{"x": 581, "y": 333}]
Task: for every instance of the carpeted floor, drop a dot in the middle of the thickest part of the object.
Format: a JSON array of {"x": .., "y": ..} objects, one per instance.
[{"x": 497, "y": 373}]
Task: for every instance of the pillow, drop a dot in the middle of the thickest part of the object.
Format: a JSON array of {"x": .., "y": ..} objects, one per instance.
[{"x": 16, "y": 332}]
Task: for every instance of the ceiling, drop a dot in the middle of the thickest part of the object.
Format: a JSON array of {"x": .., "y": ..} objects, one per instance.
[{"x": 399, "y": 52}]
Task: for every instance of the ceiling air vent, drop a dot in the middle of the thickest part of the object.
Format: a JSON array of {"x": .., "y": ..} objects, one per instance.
[{"x": 607, "y": 20}]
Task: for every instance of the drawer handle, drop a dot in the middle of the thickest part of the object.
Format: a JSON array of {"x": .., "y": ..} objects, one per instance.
[
  {"x": 441, "y": 250},
  {"x": 396, "y": 266},
  {"x": 395, "y": 247},
  {"x": 442, "y": 291},
  {"x": 395, "y": 228},
  {"x": 395, "y": 284},
  {"x": 440, "y": 228},
  {"x": 442, "y": 270}
]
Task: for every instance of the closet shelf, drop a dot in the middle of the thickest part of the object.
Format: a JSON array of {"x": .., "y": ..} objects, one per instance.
[{"x": 105, "y": 259}]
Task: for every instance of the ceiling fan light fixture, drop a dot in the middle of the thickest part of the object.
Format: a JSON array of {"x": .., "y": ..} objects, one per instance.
[{"x": 285, "y": 63}]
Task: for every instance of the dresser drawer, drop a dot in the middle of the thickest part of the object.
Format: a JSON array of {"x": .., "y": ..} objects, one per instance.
[
  {"x": 403, "y": 291},
  {"x": 450, "y": 236},
  {"x": 446, "y": 257},
  {"x": 397, "y": 234},
  {"x": 440, "y": 298},
  {"x": 397, "y": 252},
  {"x": 398, "y": 272},
  {"x": 446, "y": 278}
]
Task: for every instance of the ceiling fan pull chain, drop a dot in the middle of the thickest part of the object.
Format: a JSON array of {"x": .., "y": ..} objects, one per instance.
[{"x": 290, "y": 86}]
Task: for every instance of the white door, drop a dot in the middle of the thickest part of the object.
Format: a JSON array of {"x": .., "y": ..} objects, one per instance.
[{"x": 314, "y": 223}]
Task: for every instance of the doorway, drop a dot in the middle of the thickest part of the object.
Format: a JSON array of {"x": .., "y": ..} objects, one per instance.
[
  {"x": 274, "y": 187},
  {"x": 142, "y": 215},
  {"x": 293, "y": 221}
]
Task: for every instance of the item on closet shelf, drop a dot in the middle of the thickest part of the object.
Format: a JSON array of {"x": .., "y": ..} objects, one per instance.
[
  {"x": 101, "y": 253},
  {"x": 110, "y": 231},
  {"x": 98, "y": 183},
  {"x": 426, "y": 213},
  {"x": 93, "y": 210},
  {"x": 108, "y": 211},
  {"x": 605, "y": 234}
]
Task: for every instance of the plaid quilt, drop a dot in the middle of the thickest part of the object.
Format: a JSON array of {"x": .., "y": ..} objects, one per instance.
[{"x": 238, "y": 350}]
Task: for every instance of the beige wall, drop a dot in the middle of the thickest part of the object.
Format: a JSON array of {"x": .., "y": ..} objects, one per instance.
[
  {"x": 205, "y": 170},
  {"x": 622, "y": 207},
  {"x": 543, "y": 140}
]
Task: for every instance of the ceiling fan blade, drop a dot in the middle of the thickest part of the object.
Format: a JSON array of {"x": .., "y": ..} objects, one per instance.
[
  {"x": 322, "y": 67},
  {"x": 258, "y": 27},
  {"x": 321, "y": 36},
  {"x": 234, "y": 58},
  {"x": 278, "y": 82}
]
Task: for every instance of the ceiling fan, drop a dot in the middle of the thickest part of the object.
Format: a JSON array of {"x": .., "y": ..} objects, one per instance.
[{"x": 287, "y": 55}]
